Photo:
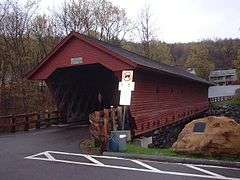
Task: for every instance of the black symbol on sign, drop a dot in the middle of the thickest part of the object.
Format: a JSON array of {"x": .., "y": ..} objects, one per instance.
[{"x": 127, "y": 76}]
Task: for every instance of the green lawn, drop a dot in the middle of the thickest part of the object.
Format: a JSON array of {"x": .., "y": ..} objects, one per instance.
[
  {"x": 150, "y": 151},
  {"x": 133, "y": 149},
  {"x": 228, "y": 102}
]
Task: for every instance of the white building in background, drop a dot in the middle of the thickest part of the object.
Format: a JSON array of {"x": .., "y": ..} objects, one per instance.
[
  {"x": 223, "y": 77},
  {"x": 222, "y": 91}
]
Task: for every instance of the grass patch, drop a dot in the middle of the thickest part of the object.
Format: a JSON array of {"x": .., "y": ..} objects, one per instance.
[
  {"x": 169, "y": 152},
  {"x": 235, "y": 101},
  {"x": 131, "y": 148}
]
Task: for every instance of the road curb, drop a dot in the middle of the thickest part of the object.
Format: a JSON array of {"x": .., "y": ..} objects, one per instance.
[{"x": 175, "y": 159}]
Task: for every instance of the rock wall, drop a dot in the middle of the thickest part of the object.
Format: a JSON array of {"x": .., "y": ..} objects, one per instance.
[
  {"x": 232, "y": 111},
  {"x": 166, "y": 136}
]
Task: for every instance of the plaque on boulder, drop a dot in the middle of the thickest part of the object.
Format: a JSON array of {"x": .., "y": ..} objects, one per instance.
[{"x": 199, "y": 127}]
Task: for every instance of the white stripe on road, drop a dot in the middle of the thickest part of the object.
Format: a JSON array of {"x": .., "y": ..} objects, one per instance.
[
  {"x": 205, "y": 171},
  {"x": 149, "y": 168},
  {"x": 93, "y": 160},
  {"x": 49, "y": 156},
  {"x": 218, "y": 167},
  {"x": 146, "y": 165}
]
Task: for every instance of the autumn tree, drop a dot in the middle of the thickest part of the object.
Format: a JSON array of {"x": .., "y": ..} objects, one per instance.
[
  {"x": 199, "y": 60},
  {"x": 160, "y": 51},
  {"x": 18, "y": 55}
]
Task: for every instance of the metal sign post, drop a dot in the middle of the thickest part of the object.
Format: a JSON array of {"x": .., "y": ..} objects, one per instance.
[
  {"x": 126, "y": 86},
  {"x": 124, "y": 115}
]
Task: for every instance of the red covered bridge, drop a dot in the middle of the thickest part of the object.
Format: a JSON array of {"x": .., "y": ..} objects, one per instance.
[{"x": 81, "y": 70}]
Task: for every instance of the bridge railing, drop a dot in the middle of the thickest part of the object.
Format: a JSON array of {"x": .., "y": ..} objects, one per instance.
[
  {"x": 220, "y": 98},
  {"x": 26, "y": 121}
]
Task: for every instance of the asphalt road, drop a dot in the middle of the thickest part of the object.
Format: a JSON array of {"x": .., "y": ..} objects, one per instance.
[{"x": 54, "y": 154}]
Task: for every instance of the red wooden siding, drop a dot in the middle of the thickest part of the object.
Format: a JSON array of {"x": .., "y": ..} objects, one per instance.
[
  {"x": 159, "y": 100},
  {"x": 77, "y": 48}
]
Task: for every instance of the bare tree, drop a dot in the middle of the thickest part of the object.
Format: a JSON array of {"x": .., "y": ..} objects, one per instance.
[
  {"x": 98, "y": 18},
  {"x": 76, "y": 15},
  {"x": 145, "y": 29},
  {"x": 111, "y": 21},
  {"x": 45, "y": 35}
]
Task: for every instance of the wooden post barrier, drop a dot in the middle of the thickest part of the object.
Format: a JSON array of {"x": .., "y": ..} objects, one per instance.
[
  {"x": 26, "y": 125},
  {"x": 19, "y": 122},
  {"x": 12, "y": 125},
  {"x": 119, "y": 116},
  {"x": 47, "y": 118},
  {"x": 105, "y": 128},
  {"x": 38, "y": 121},
  {"x": 114, "y": 119}
]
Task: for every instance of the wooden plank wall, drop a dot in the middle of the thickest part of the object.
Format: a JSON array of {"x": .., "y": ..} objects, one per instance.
[{"x": 162, "y": 100}]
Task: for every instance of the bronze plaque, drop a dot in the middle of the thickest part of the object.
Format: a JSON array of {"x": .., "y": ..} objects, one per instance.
[{"x": 199, "y": 127}]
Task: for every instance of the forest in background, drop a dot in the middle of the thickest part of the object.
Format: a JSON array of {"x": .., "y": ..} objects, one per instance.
[{"x": 26, "y": 36}]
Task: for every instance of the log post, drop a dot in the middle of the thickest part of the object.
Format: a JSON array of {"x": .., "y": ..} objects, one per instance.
[
  {"x": 47, "y": 119},
  {"x": 12, "y": 124},
  {"x": 113, "y": 117},
  {"x": 105, "y": 128},
  {"x": 119, "y": 116},
  {"x": 26, "y": 123},
  {"x": 38, "y": 121}
]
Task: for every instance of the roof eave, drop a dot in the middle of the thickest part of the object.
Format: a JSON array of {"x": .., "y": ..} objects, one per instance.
[{"x": 173, "y": 74}]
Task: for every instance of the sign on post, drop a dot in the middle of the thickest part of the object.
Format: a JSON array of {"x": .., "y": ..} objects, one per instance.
[{"x": 126, "y": 86}]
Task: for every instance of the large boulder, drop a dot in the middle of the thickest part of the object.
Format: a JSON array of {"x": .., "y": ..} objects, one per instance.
[{"x": 215, "y": 136}]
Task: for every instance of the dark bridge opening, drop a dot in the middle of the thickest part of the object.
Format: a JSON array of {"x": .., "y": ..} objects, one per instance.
[{"x": 80, "y": 90}]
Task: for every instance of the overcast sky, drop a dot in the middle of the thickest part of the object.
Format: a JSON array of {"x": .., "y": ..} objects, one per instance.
[{"x": 183, "y": 20}]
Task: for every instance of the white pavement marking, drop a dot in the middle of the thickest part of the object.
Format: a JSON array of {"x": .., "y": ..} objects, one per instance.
[
  {"x": 93, "y": 160},
  {"x": 49, "y": 156},
  {"x": 38, "y": 158},
  {"x": 205, "y": 171},
  {"x": 74, "y": 154},
  {"x": 145, "y": 165},
  {"x": 218, "y": 167},
  {"x": 150, "y": 169}
]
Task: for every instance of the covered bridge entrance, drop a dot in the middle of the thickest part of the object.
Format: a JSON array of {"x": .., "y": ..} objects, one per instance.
[
  {"x": 80, "y": 90},
  {"x": 83, "y": 74}
]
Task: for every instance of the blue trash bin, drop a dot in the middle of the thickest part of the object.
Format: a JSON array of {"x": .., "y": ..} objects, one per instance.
[
  {"x": 113, "y": 144},
  {"x": 118, "y": 141}
]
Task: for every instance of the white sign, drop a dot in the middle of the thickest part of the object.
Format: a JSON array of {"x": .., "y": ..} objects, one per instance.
[
  {"x": 76, "y": 60},
  {"x": 127, "y": 76},
  {"x": 126, "y": 86},
  {"x": 125, "y": 98}
]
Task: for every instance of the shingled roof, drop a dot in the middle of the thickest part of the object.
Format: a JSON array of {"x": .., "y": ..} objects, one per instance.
[{"x": 146, "y": 62}]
